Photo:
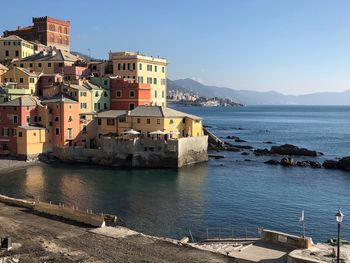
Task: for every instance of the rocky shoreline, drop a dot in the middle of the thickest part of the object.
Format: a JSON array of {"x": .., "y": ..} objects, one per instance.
[{"x": 287, "y": 151}]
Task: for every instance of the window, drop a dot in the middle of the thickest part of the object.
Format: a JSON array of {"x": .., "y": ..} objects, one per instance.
[
  {"x": 57, "y": 131},
  {"x": 84, "y": 128},
  {"x": 17, "y": 53},
  {"x": 155, "y": 68},
  {"x": 131, "y": 93},
  {"x": 15, "y": 118},
  {"x": 39, "y": 65},
  {"x": 149, "y": 67},
  {"x": 105, "y": 82},
  {"x": 148, "y": 121},
  {"x": 140, "y": 66},
  {"x": 20, "y": 134},
  {"x": 163, "y": 82},
  {"x": 105, "y": 106},
  {"x": 184, "y": 120},
  {"x": 31, "y": 80},
  {"x": 5, "y": 132},
  {"x": 60, "y": 65},
  {"x": 21, "y": 80},
  {"x": 158, "y": 121},
  {"x": 49, "y": 65},
  {"x": 83, "y": 93},
  {"x": 57, "y": 119},
  {"x": 131, "y": 106},
  {"x": 155, "y": 81},
  {"x": 163, "y": 93},
  {"x": 133, "y": 66},
  {"x": 83, "y": 105},
  {"x": 171, "y": 121},
  {"x": 118, "y": 93},
  {"x": 163, "y": 69},
  {"x": 70, "y": 119},
  {"x": 140, "y": 79},
  {"x": 69, "y": 133},
  {"x": 35, "y": 118},
  {"x": 96, "y": 94},
  {"x": 27, "y": 119},
  {"x": 149, "y": 80},
  {"x": 7, "y": 53},
  {"x": 155, "y": 94},
  {"x": 99, "y": 122},
  {"x": 110, "y": 122},
  {"x": 138, "y": 120}
]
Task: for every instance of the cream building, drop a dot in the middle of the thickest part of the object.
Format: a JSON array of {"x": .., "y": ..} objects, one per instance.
[
  {"x": 142, "y": 69},
  {"x": 14, "y": 47}
]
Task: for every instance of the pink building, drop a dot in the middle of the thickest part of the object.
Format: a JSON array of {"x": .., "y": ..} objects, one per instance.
[{"x": 72, "y": 73}]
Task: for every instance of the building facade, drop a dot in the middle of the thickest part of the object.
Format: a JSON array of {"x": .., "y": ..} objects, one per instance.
[
  {"x": 14, "y": 47},
  {"x": 47, "y": 31},
  {"x": 142, "y": 69},
  {"x": 127, "y": 94}
]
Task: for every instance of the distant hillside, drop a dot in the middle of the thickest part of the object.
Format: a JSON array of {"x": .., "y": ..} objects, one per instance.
[
  {"x": 86, "y": 57},
  {"x": 262, "y": 98}
]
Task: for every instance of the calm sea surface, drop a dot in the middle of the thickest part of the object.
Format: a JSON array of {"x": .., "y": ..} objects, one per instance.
[{"x": 221, "y": 193}]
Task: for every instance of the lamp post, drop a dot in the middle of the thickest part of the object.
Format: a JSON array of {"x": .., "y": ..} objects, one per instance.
[{"x": 339, "y": 217}]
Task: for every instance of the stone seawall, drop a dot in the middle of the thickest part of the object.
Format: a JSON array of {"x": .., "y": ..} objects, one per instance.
[{"x": 140, "y": 152}]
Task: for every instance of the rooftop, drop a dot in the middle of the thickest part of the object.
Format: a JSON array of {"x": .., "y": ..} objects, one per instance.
[
  {"x": 23, "y": 101},
  {"x": 2, "y": 67},
  {"x": 138, "y": 55},
  {"x": 12, "y": 38},
  {"x": 61, "y": 97},
  {"x": 26, "y": 127},
  {"x": 51, "y": 55},
  {"x": 158, "y": 111},
  {"x": 111, "y": 114}
]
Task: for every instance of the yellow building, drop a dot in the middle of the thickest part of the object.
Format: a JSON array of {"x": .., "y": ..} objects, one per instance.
[
  {"x": 83, "y": 95},
  {"x": 31, "y": 140},
  {"x": 49, "y": 61},
  {"x": 14, "y": 47},
  {"x": 143, "y": 69},
  {"x": 147, "y": 119},
  {"x": 20, "y": 79}
]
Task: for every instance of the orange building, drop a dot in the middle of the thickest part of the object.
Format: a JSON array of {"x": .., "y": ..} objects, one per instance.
[
  {"x": 64, "y": 125},
  {"x": 128, "y": 94},
  {"x": 45, "y": 30}
]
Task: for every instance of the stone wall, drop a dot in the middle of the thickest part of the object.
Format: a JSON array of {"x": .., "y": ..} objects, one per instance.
[
  {"x": 140, "y": 152},
  {"x": 286, "y": 240},
  {"x": 70, "y": 214}
]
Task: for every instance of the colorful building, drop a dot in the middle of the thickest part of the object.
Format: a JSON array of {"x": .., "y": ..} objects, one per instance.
[
  {"x": 21, "y": 81},
  {"x": 48, "y": 80},
  {"x": 103, "y": 82},
  {"x": 64, "y": 125},
  {"x": 128, "y": 94},
  {"x": 146, "y": 119},
  {"x": 48, "y": 62},
  {"x": 3, "y": 69},
  {"x": 142, "y": 69},
  {"x": 47, "y": 31},
  {"x": 19, "y": 112},
  {"x": 32, "y": 140},
  {"x": 13, "y": 47},
  {"x": 72, "y": 73}
]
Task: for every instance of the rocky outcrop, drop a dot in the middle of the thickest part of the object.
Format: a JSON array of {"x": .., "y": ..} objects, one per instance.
[
  {"x": 287, "y": 149},
  {"x": 344, "y": 164},
  {"x": 272, "y": 162},
  {"x": 287, "y": 161},
  {"x": 330, "y": 164}
]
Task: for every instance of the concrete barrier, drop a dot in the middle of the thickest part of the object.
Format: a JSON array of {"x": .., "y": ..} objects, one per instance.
[
  {"x": 70, "y": 214},
  {"x": 286, "y": 240},
  {"x": 16, "y": 202}
]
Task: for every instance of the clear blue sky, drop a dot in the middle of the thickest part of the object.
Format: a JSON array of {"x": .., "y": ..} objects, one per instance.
[{"x": 291, "y": 46}]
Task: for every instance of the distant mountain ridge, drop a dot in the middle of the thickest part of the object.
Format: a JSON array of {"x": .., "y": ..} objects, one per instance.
[{"x": 248, "y": 97}]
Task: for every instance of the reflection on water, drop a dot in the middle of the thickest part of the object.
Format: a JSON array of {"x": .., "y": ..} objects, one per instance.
[{"x": 34, "y": 181}]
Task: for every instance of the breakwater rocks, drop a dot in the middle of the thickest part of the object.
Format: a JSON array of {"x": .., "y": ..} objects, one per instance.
[
  {"x": 342, "y": 164},
  {"x": 287, "y": 149}
]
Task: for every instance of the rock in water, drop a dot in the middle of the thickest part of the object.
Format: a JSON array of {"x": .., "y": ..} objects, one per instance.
[
  {"x": 344, "y": 164},
  {"x": 315, "y": 164},
  {"x": 289, "y": 149},
  {"x": 330, "y": 164},
  {"x": 273, "y": 162},
  {"x": 287, "y": 161}
]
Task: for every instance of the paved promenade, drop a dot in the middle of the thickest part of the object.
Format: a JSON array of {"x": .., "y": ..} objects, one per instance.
[{"x": 40, "y": 239}]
